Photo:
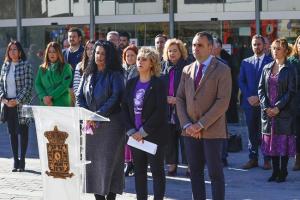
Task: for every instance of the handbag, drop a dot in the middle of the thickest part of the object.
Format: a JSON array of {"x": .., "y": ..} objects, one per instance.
[
  {"x": 3, "y": 113},
  {"x": 234, "y": 143}
]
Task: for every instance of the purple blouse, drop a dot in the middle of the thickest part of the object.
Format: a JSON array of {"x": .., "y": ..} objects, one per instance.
[
  {"x": 139, "y": 93},
  {"x": 171, "y": 82}
]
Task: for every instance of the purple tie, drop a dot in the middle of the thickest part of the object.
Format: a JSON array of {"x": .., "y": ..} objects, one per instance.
[{"x": 198, "y": 76}]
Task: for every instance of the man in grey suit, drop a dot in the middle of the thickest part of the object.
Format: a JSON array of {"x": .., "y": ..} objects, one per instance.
[{"x": 203, "y": 97}]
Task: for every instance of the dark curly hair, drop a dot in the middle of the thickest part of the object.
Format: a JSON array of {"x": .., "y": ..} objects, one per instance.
[{"x": 112, "y": 59}]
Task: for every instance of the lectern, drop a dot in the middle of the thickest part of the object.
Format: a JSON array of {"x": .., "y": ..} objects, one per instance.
[{"x": 61, "y": 149}]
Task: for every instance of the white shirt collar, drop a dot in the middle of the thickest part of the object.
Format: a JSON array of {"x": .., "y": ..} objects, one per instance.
[
  {"x": 260, "y": 57},
  {"x": 205, "y": 62}
]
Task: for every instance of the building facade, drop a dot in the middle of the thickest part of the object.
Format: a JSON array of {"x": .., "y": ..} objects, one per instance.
[{"x": 231, "y": 20}]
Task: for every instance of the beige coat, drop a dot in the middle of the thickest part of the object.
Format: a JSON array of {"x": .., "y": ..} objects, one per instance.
[{"x": 209, "y": 102}]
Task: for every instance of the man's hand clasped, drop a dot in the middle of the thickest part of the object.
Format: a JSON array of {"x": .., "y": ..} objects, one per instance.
[{"x": 194, "y": 130}]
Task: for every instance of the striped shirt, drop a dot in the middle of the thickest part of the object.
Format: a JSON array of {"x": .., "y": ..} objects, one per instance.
[{"x": 77, "y": 78}]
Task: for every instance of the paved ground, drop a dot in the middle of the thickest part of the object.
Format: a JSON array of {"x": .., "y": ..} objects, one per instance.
[{"x": 240, "y": 184}]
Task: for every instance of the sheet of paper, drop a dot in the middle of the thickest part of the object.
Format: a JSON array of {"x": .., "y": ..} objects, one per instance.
[{"x": 148, "y": 147}]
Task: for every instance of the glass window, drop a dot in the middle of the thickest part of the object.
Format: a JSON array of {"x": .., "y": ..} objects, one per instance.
[
  {"x": 33, "y": 8},
  {"x": 7, "y": 9},
  {"x": 6, "y": 35},
  {"x": 203, "y": 1},
  {"x": 136, "y": 1}
]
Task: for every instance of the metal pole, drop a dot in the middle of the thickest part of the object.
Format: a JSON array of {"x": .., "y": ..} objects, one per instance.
[
  {"x": 19, "y": 19},
  {"x": 115, "y": 7},
  {"x": 257, "y": 16},
  {"x": 171, "y": 18},
  {"x": 70, "y": 12},
  {"x": 133, "y": 4},
  {"x": 92, "y": 20}
]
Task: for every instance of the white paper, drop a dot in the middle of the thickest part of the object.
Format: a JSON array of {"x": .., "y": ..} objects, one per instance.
[{"x": 148, "y": 147}]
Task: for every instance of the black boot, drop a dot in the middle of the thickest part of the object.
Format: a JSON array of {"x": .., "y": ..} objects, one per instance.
[
  {"x": 282, "y": 176},
  {"x": 275, "y": 164},
  {"x": 111, "y": 196},
  {"x": 283, "y": 171}
]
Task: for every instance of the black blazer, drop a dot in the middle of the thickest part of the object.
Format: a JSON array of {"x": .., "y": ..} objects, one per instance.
[
  {"x": 154, "y": 113},
  {"x": 286, "y": 91}
]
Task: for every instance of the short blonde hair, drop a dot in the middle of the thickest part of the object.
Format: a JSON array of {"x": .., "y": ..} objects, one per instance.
[
  {"x": 180, "y": 45},
  {"x": 153, "y": 55}
]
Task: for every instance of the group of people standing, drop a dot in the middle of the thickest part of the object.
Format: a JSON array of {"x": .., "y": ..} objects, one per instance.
[
  {"x": 160, "y": 95},
  {"x": 270, "y": 89}
]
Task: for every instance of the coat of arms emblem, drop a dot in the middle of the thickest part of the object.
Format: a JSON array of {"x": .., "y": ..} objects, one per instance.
[{"x": 58, "y": 155}]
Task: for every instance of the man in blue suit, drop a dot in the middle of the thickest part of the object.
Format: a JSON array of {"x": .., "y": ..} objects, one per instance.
[{"x": 250, "y": 73}]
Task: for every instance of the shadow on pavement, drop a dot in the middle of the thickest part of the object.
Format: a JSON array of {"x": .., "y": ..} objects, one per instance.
[{"x": 33, "y": 172}]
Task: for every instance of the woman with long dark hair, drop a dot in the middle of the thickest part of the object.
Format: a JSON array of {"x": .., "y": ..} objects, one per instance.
[
  {"x": 53, "y": 78},
  {"x": 100, "y": 91},
  {"x": 15, "y": 91},
  {"x": 80, "y": 67}
]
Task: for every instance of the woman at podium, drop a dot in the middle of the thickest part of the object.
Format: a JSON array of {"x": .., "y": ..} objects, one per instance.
[
  {"x": 15, "y": 90},
  {"x": 54, "y": 77},
  {"x": 145, "y": 114},
  {"x": 100, "y": 91}
]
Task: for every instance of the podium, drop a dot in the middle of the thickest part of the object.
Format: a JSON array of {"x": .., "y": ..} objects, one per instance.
[{"x": 61, "y": 149}]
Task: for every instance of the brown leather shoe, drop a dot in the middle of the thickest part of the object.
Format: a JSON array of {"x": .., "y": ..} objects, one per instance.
[
  {"x": 250, "y": 164},
  {"x": 267, "y": 165}
]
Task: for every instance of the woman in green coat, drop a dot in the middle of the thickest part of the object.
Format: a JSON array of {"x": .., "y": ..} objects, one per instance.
[{"x": 54, "y": 78}]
